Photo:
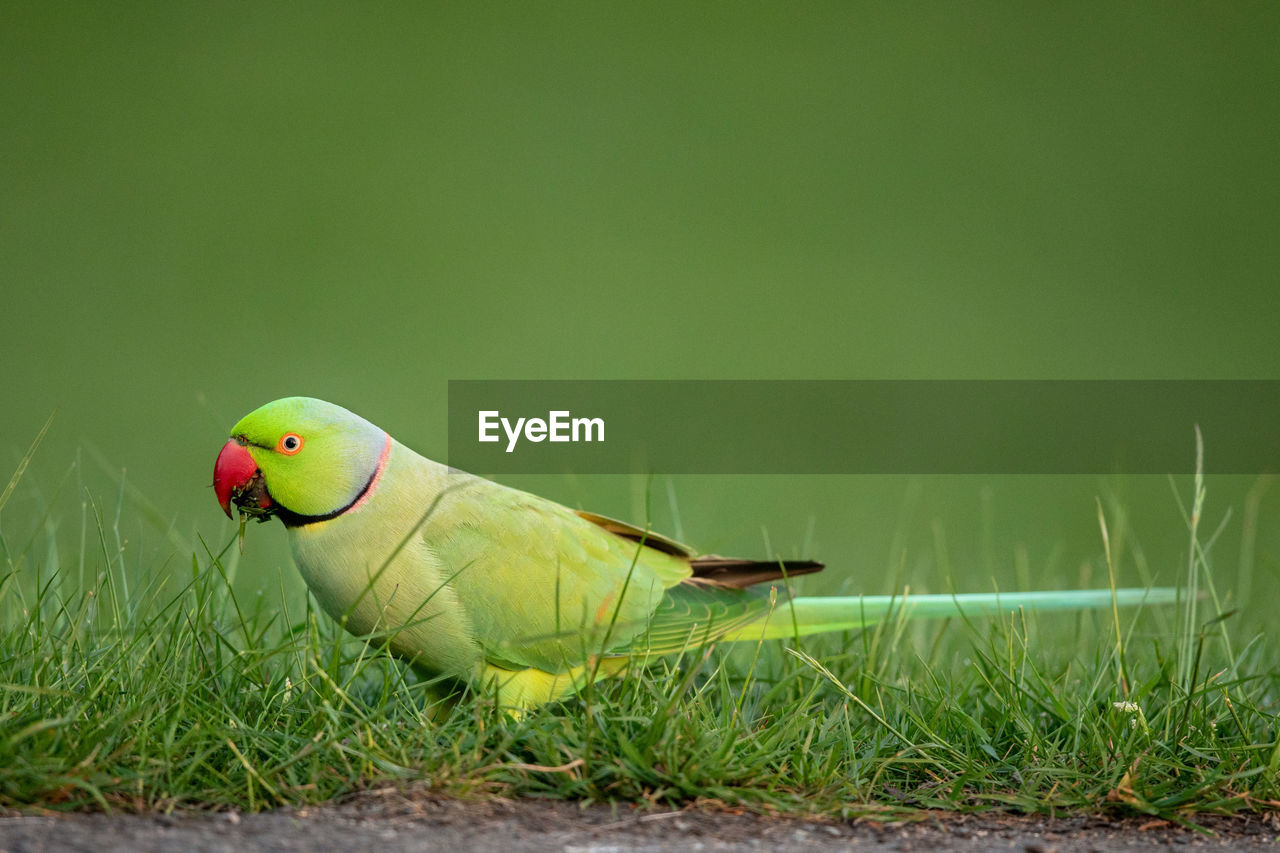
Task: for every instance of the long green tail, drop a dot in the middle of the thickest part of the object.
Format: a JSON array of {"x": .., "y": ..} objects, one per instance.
[{"x": 820, "y": 614}]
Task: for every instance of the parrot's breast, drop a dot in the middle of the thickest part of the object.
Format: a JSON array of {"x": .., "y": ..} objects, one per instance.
[{"x": 370, "y": 570}]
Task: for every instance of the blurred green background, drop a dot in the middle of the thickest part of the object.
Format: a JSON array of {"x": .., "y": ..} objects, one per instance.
[{"x": 204, "y": 207}]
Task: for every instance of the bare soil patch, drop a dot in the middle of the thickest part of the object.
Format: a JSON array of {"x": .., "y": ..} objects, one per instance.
[{"x": 392, "y": 821}]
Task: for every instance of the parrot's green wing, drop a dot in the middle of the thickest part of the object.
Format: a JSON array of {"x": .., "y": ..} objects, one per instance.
[
  {"x": 695, "y": 613},
  {"x": 542, "y": 586}
]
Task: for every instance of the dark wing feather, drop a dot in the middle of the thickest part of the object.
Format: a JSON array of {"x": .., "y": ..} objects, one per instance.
[
  {"x": 629, "y": 531},
  {"x": 731, "y": 572},
  {"x": 710, "y": 568}
]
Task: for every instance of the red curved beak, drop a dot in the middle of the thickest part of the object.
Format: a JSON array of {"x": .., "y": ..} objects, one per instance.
[{"x": 233, "y": 473}]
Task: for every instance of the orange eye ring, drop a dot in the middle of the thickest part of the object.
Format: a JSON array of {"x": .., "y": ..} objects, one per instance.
[{"x": 289, "y": 443}]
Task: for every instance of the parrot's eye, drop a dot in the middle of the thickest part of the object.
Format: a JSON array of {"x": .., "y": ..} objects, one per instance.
[{"x": 290, "y": 443}]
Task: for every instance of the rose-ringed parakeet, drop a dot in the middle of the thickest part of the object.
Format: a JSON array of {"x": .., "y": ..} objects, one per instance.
[{"x": 511, "y": 592}]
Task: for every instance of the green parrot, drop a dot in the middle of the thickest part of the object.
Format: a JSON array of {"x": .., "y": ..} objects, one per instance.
[{"x": 474, "y": 581}]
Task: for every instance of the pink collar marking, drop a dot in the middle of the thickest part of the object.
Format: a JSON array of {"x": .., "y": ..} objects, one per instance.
[{"x": 377, "y": 475}]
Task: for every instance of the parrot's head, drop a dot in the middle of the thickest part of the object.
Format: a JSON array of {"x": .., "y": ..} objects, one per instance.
[{"x": 301, "y": 459}]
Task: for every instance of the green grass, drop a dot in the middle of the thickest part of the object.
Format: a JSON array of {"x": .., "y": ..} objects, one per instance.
[{"x": 159, "y": 687}]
